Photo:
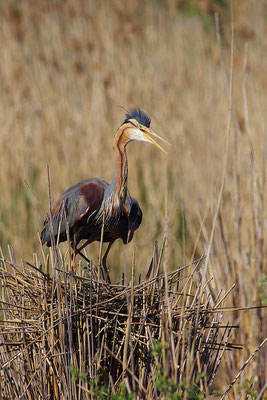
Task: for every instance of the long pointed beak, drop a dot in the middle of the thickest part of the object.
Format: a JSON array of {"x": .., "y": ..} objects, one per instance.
[{"x": 146, "y": 131}]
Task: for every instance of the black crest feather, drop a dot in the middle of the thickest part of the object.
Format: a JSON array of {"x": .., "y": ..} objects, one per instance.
[{"x": 139, "y": 115}]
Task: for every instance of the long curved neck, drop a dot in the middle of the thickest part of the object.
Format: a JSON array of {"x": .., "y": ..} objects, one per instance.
[
  {"x": 116, "y": 191},
  {"x": 119, "y": 181}
]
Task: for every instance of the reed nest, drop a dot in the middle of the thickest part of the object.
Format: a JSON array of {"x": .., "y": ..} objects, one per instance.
[{"x": 64, "y": 336}]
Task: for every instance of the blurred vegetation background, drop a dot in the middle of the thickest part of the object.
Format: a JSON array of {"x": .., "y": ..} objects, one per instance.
[{"x": 67, "y": 66}]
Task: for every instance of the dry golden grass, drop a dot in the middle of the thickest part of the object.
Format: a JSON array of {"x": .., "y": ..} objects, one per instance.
[{"x": 65, "y": 69}]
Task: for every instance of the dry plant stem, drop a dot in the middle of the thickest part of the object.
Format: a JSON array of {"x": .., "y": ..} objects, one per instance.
[
  {"x": 101, "y": 247},
  {"x": 252, "y": 155},
  {"x": 226, "y": 83},
  {"x": 54, "y": 253},
  {"x": 243, "y": 367},
  {"x": 35, "y": 195},
  {"x": 261, "y": 394},
  {"x": 63, "y": 211},
  {"x": 228, "y": 131},
  {"x": 223, "y": 298},
  {"x": 218, "y": 357},
  {"x": 200, "y": 231}
]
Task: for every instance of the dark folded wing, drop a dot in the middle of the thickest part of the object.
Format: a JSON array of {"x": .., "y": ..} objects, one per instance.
[{"x": 80, "y": 200}]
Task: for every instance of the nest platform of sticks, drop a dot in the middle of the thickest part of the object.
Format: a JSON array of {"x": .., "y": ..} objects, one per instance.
[{"x": 77, "y": 337}]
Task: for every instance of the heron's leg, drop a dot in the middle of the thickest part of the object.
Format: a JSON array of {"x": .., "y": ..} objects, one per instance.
[
  {"x": 104, "y": 261},
  {"x": 82, "y": 255},
  {"x": 84, "y": 245}
]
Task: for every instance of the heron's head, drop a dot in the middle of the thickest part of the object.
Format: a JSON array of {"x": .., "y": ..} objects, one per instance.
[{"x": 136, "y": 127}]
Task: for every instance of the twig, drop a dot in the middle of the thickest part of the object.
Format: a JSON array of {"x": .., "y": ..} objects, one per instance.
[{"x": 242, "y": 369}]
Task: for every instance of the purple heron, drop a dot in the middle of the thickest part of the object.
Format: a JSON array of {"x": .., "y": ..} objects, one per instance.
[{"x": 89, "y": 204}]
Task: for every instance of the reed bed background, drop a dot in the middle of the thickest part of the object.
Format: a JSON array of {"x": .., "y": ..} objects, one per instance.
[{"x": 65, "y": 69}]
